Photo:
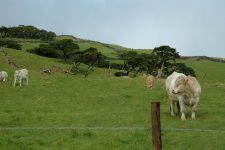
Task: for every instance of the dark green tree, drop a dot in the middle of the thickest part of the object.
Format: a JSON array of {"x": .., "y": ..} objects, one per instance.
[
  {"x": 50, "y": 36},
  {"x": 90, "y": 57},
  {"x": 164, "y": 54},
  {"x": 67, "y": 47},
  {"x": 30, "y": 32},
  {"x": 178, "y": 67},
  {"x": 134, "y": 62},
  {"x": 130, "y": 60},
  {"x": 147, "y": 63},
  {"x": 4, "y": 31}
]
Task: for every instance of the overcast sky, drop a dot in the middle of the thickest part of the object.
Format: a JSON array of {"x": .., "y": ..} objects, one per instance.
[{"x": 193, "y": 27}]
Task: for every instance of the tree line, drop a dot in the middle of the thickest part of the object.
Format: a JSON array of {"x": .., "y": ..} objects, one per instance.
[
  {"x": 161, "y": 62},
  {"x": 29, "y": 32}
]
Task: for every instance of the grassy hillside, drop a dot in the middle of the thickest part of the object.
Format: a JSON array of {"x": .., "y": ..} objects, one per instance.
[
  {"x": 107, "y": 49},
  {"x": 62, "y": 100},
  {"x": 28, "y": 45}
]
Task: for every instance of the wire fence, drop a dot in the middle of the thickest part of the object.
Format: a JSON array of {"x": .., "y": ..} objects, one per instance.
[{"x": 110, "y": 128}]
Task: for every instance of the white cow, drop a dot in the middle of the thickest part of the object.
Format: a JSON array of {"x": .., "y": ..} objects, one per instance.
[
  {"x": 20, "y": 76},
  {"x": 3, "y": 76},
  {"x": 184, "y": 90}
]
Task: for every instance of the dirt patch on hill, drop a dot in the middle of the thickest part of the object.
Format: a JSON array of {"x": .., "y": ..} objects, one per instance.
[
  {"x": 55, "y": 69},
  {"x": 9, "y": 60}
]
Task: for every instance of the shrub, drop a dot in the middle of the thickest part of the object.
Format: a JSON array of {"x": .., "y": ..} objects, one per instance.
[
  {"x": 45, "y": 50},
  {"x": 10, "y": 44},
  {"x": 178, "y": 67},
  {"x": 117, "y": 66},
  {"x": 103, "y": 64},
  {"x": 133, "y": 74}
]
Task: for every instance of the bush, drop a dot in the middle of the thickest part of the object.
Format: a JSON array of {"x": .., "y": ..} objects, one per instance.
[
  {"x": 117, "y": 66},
  {"x": 178, "y": 67},
  {"x": 45, "y": 50},
  {"x": 10, "y": 44},
  {"x": 102, "y": 64},
  {"x": 133, "y": 74}
]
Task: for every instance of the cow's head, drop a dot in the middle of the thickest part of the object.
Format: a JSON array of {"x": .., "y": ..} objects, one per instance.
[{"x": 180, "y": 85}]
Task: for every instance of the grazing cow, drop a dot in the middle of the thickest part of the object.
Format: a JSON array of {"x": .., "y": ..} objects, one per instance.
[
  {"x": 20, "y": 76},
  {"x": 150, "y": 80},
  {"x": 184, "y": 90},
  {"x": 3, "y": 76}
]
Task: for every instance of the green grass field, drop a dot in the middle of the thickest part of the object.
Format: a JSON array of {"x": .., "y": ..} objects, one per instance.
[
  {"x": 62, "y": 100},
  {"x": 28, "y": 45}
]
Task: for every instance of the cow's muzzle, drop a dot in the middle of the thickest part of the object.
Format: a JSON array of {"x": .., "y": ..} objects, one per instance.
[{"x": 174, "y": 92}]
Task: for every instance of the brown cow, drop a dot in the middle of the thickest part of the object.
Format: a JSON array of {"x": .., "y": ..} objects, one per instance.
[{"x": 150, "y": 80}]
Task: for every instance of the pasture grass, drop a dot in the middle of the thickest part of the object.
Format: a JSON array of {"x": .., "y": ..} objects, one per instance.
[
  {"x": 62, "y": 100},
  {"x": 101, "y": 48},
  {"x": 29, "y": 45}
]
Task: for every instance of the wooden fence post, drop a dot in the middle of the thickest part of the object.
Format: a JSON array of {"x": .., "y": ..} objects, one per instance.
[{"x": 156, "y": 127}]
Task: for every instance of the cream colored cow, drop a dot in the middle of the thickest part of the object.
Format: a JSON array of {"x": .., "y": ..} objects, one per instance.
[
  {"x": 3, "y": 76},
  {"x": 21, "y": 76},
  {"x": 185, "y": 90}
]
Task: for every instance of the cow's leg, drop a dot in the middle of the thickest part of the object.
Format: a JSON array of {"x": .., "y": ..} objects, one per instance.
[
  {"x": 14, "y": 82},
  {"x": 20, "y": 81},
  {"x": 194, "y": 108},
  {"x": 27, "y": 80},
  {"x": 178, "y": 107},
  {"x": 171, "y": 107},
  {"x": 182, "y": 108}
]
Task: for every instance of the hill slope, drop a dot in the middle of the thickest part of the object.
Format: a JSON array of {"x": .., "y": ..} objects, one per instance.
[{"x": 107, "y": 49}]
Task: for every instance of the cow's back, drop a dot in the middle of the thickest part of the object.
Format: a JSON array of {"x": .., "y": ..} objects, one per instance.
[
  {"x": 194, "y": 86},
  {"x": 23, "y": 73}
]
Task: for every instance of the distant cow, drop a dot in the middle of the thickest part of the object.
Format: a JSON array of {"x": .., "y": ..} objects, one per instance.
[
  {"x": 184, "y": 90},
  {"x": 150, "y": 80},
  {"x": 21, "y": 76},
  {"x": 3, "y": 76}
]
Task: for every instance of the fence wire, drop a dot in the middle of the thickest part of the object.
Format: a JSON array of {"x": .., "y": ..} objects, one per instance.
[{"x": 110, "y": 128}]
